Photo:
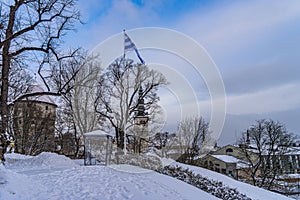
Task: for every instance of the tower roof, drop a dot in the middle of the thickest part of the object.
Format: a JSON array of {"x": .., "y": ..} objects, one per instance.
[
  {"x": 141, "y": 104},
  {"x": 41, "y": 98}
]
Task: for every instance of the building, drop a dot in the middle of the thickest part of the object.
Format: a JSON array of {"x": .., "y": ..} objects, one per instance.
[
  {"x": 228, "y": 160},
  {"x": 140, "y": 130},
  {"x": 34, "y": 123},
  {"x": 224, "y": 164}
]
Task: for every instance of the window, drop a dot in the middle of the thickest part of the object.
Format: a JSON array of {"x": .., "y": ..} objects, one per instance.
[
  {"x": 46, "y": 108},
  {"x": 229, "y": 150}
]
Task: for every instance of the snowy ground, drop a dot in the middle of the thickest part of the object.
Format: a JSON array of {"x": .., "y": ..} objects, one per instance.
[{"x": 51, "y": 176}]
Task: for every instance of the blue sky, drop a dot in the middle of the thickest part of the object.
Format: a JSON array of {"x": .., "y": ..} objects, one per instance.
[{"x": 255, "y": 45}]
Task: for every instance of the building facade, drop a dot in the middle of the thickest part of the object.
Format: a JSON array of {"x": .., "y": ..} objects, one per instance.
[{"x": 34, "y": 123}]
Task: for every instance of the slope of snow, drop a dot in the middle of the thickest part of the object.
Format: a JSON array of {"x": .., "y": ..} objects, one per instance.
[
  {"x": 51, "y": 176},
  {"x": 251, "y": 191},
  {"x": 14, "y": 186}
]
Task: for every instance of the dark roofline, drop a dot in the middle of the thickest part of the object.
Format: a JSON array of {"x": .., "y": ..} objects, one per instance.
[{"x": 29, "y": 100}]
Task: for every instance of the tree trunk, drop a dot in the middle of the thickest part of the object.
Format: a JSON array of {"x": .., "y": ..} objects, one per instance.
[
  {"x": 5, "y": 69},
  {"x": 120, "y": 137},
  {"x": 4, "y": 91}
]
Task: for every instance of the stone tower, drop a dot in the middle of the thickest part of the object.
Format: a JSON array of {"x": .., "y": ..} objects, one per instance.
[{"x": 34, "y": 123}]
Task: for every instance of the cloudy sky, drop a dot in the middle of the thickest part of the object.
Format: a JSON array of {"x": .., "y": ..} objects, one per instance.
[{"x": 254, "y": 44}]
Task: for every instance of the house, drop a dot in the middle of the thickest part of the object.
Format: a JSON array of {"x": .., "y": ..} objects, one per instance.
[
  {"x": 224, "y": 164},
  {"x": 231, "y": 160}
]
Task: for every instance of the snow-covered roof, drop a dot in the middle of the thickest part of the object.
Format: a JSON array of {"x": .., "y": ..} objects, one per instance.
[
  {"x": 226, "y": 158},
  {"x": 98, "y": 133},
  {"x": 242, "y": 165},
  {"x": 42, "y": 98}
]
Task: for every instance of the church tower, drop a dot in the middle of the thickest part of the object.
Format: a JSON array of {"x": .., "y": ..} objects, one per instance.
[{"x": 141, "y": 125}]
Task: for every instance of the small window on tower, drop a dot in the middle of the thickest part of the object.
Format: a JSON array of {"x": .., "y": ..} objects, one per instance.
[
  {"x": 229, "y": 150},
  {"x": 46, "y": 107}
]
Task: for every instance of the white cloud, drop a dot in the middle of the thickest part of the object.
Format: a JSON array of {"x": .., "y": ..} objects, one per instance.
[
  {"x": 275, "y": 99},
  {"x": 240, "y": 19},
  {"x": 234, "y": 34}
]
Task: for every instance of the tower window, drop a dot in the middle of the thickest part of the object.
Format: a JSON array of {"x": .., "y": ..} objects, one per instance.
[
  {"x": 229, "y": 150},
  {"x": 46, "y": 107}
]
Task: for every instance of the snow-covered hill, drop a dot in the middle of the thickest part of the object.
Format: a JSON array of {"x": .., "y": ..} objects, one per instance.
[{"x": 52, "y": 176}]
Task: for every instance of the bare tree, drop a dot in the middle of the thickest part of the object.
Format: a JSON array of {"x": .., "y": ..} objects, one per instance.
[
  {"x": 19, "y": 82},
  {"x": 77, "y": 103},
  {"x": 265, "y": 145},
  {"x": 68, "y": 139},
  {"x": 31, "y": 31},
  {"x": 118, "y": 94},
  {"x": 192, "y": 135},
  {"x": 84, "y": 96},
  {"x": 163, "y": 142}
]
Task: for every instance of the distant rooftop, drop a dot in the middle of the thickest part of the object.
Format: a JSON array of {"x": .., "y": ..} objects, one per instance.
[
  {"x": 98, "y": 133},
  {"x": 226, "y": 158}
]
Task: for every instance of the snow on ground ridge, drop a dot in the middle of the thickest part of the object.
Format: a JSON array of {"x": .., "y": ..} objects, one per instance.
[
  {"x": 38, "y": 181},
  {"x": 44, "y": 159},
  {"x": 52, "y": 177}
]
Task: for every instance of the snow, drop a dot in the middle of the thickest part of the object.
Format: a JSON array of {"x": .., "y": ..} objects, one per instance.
[
  {"x": 226, "y": 158},
  {"x": 255, "y": 193},
  {"x": 167, "y": 161},
  {"x": 98, "y": 133},
  {"x": 51, "y": 176},
  {"x": 42, "y": 98}
]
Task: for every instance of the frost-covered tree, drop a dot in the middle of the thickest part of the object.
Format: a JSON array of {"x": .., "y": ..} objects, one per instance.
[
  {"x": 31, "y": 32},
  {"x": 192, "y": 135},
  {"x": 163, "y": 142},
  {"x": 265, "y": 145},
  {"x": 76, "y": 114},
  {"x": 85, "y": 94},
  {"x": 118, "y": 96}
]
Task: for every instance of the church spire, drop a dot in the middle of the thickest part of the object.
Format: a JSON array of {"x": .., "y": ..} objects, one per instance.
[{"x": 141, "y": 104}]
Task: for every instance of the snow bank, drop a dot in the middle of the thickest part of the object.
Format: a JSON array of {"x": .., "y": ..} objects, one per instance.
[
  {"x": 167, "y": 161},
  {"x": 16, "y": 156},
  {"x": 14, "y": 186},
  {"x": 89, "y": 182},
  {"x": 51, "y": 159},
  {"x": 45, "y": 159}
]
